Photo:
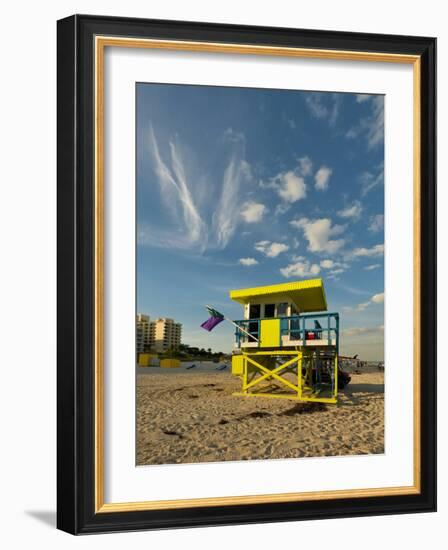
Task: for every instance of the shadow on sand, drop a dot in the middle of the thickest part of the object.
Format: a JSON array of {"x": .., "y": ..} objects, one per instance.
[{"x": 369, "y": 388}]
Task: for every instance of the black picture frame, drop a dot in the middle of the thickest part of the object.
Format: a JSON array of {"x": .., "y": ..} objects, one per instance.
[{"x": 76, "y": 512}]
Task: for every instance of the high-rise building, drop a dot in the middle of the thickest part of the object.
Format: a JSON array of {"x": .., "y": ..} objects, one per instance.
[
  {"x": 166, "y": 334},
  {"x": 144, "y": 333}
]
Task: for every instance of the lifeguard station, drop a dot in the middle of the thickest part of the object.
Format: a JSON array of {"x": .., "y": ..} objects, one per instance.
[{"x": 287, "y": 345}]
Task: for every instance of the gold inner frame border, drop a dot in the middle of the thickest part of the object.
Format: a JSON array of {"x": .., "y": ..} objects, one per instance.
[{"x": 101, "y": 42}]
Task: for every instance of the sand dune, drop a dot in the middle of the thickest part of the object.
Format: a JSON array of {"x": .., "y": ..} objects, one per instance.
[{"x": 188, "y": 417}]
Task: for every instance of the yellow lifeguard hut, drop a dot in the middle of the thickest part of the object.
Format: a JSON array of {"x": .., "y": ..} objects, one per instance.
[{"x": 287, "y": 345}]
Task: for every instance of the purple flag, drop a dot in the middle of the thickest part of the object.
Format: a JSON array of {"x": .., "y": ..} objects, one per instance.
[{"x": 211, "y": 323}]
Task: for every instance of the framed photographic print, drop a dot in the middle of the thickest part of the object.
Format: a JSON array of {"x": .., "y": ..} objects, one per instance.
[{"x": 246, "y": 274}]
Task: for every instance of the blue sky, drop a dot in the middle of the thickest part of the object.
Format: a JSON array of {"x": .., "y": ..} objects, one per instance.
[{"x": 239, "y": 187}]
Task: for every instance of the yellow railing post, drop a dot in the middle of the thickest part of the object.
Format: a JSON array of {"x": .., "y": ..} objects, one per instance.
[
  {"x": 245, "y": 367},
  {"x": 335, "y": 375}
]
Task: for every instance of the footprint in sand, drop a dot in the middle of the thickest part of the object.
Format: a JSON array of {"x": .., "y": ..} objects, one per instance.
[{"x": 173, "y": 433}]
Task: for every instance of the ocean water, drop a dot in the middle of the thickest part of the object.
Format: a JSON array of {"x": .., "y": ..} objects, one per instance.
[{"x": 189, "y": 367}]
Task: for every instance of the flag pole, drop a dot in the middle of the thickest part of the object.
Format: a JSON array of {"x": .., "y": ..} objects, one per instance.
[
  {"x": 242, "y": 330},
  {"x": 237, "y": 326}
]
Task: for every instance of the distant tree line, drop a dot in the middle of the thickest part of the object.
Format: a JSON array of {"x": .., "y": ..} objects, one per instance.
[{"x": 190, "y": 353}]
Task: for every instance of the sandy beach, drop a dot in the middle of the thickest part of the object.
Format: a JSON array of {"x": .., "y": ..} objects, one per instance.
[{"x": 187, "y": 416}]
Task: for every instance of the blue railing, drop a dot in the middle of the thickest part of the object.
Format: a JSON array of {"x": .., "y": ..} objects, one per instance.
[{"x": 303, "y": 328}]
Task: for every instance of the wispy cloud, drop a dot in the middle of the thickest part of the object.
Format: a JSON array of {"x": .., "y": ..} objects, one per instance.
[
  {"x": 189, "y": 229},
  {"x": 322, "y": 178},
  {"x": 319, "y": 234},
  {"x": 362, "y": 98},
  {"x": 272, "y": 250},
  {"x": 358, "y": 331},
  {"x": 371, "y": 126},
  {"x": 149, "y": 235},
  {"x": 248, "y": 261},
  {"x": 225, "y": 218},
  {"x": 305, "y": 166},
  {"x": 375, "y": 124},
  {"x": 353, "y": 211},
  {"x": 176, "y": 193},
  {"x": 323, "y": 106},
  {"x": 333, "y": 268},
  {"x": 353, "y": 290},
  {"x": 376, "y": 223},
  {"x": 372, "y": 267},
  {"x": 193, "y": 221},
  {"x": 334, "y": 273},
  {"x": 371, "y": 180}
]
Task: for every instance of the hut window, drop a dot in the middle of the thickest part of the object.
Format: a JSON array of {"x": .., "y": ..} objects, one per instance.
[
  {"x": 254, "y": 311},
  {"x": 282, "y": 309},
  {"x": 269, "y": 310}
]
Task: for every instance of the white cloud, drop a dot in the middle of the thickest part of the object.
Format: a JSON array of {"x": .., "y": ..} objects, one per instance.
[
  {"x": 272, "y": 250},
  {"x": 252, "y": 212},
  {"x": 322, "y": 177},
  {"x": 378, "y": 298},
  {"x": 248, "y": 261},
  {"x": 334, "y": 268},
  {"x": 376, "y": 223},
  {"x": 371, "y": 267},
  {"x": 301, "y": 268},
  {"x": 354, "y": 211},
  {"x": 363, "y": 306},
  {"x": 318, "y": 234},
  {"x": 375, "y": 299},
  {"x": 305, "y": 166},
  {"x": 290, "y": 187},
  {"x": 372, "y": 252}
]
